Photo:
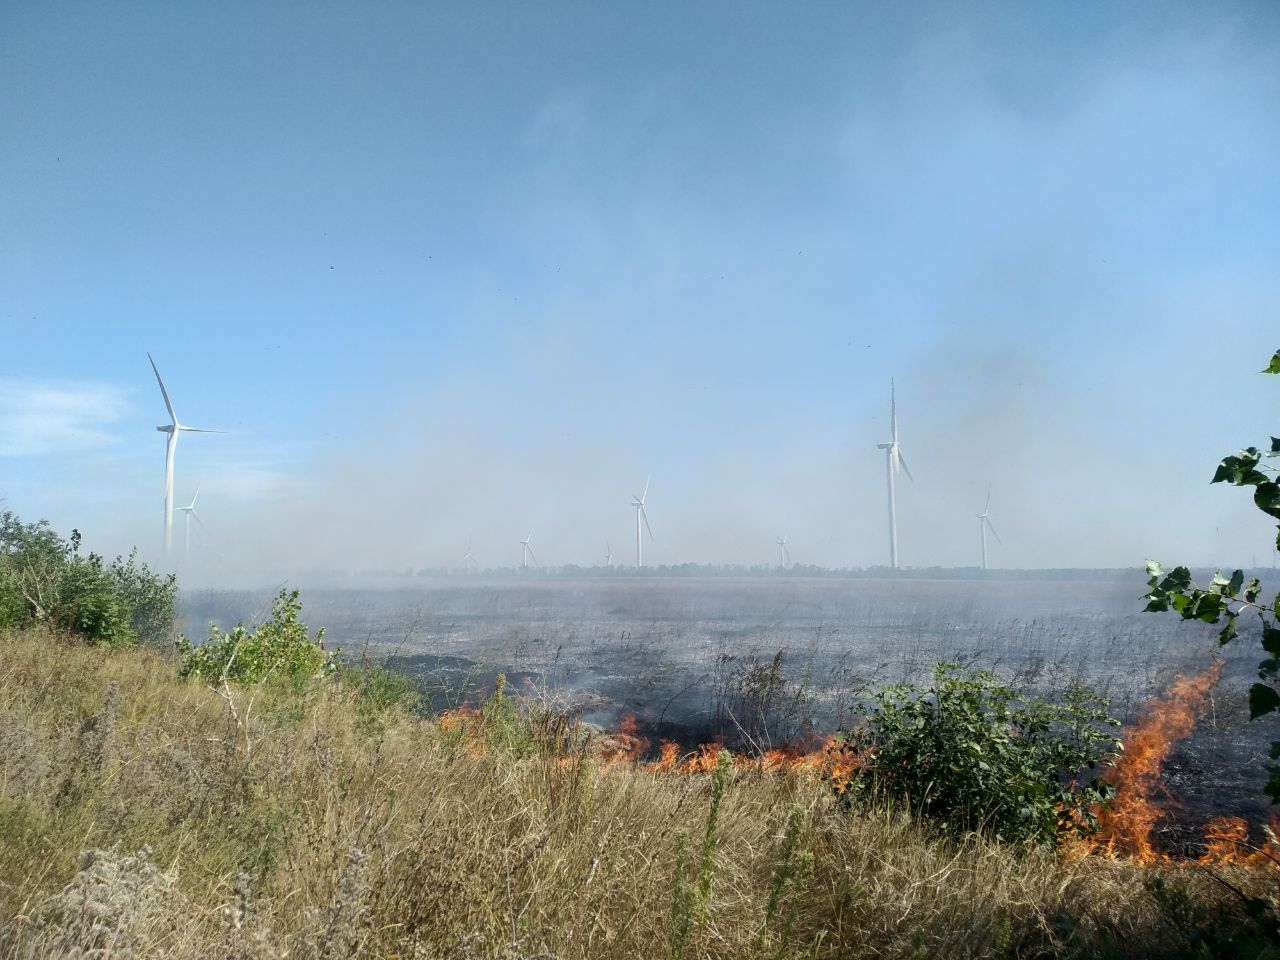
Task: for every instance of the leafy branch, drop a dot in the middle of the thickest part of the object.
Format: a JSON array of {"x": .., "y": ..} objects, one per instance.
[{"x": 1226, "y": 599}]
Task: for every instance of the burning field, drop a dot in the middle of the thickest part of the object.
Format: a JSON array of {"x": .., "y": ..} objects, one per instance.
[
  {"x": 145, "y": 815},
  {"x": 768, "y": 668},
  {"x": 1145, "y": 823}
]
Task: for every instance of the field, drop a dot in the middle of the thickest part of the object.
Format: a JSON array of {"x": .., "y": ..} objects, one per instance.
[
  {"x": 766, "y": 662},
  {"x": 144, "y": 816}
]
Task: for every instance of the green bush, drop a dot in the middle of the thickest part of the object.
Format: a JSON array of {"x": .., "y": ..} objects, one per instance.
[
  {"x": 379, "y": 689},
  {"x": 280, "y": 648},
  {"x": 45, "y": 579},
  {"x": 971, "y": 754}
]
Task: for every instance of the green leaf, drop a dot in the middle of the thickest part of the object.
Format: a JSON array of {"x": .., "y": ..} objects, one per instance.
[
  {"x": 1210, "y": 608},
  {"x": 1271, "y": 638},
  {"x": 1267, "y": 498},
  {"x": 1262, "y": 700},
  {"x": 1237, "y": 581},
  {"x": 1153, "y": 569},
  {"x": 1275, "y": 446},
  {"x": 1252, "y": 589},
  {"x": 1269, "y": 669},
  {"x": 1240, "y": 469},
  {"x": 1229, "y": 631},
  {"x": 1274, "y": 365},
  {"x": 1179, "y": 578},
  {"x": 1272, "y": 788}
]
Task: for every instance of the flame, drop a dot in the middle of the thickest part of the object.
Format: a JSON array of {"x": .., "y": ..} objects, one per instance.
[
  {"x": 451, "y": 721},
  {"x": 626, "y": 745},
  {"x": 1125, "y": 828}
]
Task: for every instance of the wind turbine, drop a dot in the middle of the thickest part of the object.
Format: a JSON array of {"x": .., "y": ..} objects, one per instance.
[
  {"x": 608, "y": 555},
  {"x": 893, "y": 460},
  {"x": 467, "y": 558},
  {"x": 173, "y": 428},
  {"x": 638, "y": 503},
  {"x": 784, "y": 555},
  {"x": 526, "y": 551},
  {"x": 984, "y": 524},
  {"x": 189, "y": 512}
]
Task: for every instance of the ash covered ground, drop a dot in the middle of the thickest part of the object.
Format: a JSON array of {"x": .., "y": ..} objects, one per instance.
[{"x": 772, "y": 661}]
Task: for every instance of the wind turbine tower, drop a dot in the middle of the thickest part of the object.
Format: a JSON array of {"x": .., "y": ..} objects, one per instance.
[
  {"x": 189, "y": 514},
  {"x": 638, "y": 503},
  {"x": 468, "y": 561},
  {"x": 173, "y": 428},
  {"x": 608, "y": 556},
  {"x": 526, "y": 552},
  {"x": 984, "y": 524},
  {"x": 784, "y": 555},
  {"x": 892, "y": 461}
]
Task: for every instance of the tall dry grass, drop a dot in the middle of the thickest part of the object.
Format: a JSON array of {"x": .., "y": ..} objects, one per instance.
[{"x": 144, "y": 816}]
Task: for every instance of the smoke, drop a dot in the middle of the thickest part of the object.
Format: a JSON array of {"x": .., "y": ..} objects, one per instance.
[{"x": 708, "y": 275}]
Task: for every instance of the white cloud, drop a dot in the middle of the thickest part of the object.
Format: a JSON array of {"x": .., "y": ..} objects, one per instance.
[{"x": 56, "y": 417}]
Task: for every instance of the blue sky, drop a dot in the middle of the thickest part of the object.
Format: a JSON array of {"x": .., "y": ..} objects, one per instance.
[{"x": 451, "y": 271}]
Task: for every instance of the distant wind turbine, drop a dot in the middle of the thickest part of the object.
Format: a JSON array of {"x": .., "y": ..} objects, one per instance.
[
  {"x": 784, "y": 555},
  {"x": 893, "y": 460},
  {"x": 526, "y": 551},
  {"x": 984, "y": 524},
  {"x": 608, "y": 554},
  {"x": 189, "y": 514},
  {"x": 173, "y": 428},
  {"x": 467, "y": 559},
  {"x": 638, "y": 503}
]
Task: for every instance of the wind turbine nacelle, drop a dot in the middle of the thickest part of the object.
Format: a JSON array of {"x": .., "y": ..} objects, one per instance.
[{"x": 167, "y": 428}]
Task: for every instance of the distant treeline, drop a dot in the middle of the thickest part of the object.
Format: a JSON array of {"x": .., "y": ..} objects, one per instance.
[{"x": 795, "y": 571}]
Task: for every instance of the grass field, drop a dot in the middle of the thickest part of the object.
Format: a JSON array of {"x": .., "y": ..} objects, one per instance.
[{"x": 146, "y": 816}]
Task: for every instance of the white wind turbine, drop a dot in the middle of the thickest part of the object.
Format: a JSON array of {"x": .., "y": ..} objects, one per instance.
[
  {"x": 189, "y": 514},
  {"x": 984, "y": 524},
  {"x": 173, "y": 428},
  {"x": 638, "y": 503},
  {"x": 526, "y": 551},
  {"x": 784, "y": 555},
  {"x": 893, "y": 460},
  {"x": 608, "y": 555},
  {"x": 467, "y": 559}
]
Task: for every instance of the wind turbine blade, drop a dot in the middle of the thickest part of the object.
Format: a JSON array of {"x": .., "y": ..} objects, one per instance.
[
  {"x": 196, "y": 517},
  {"x": 197, "y": 495},
  {"x": 167, "y": 402},
  {"x": 645, "y": 514},
  {"x": 905, "y": 469},
  {"x": 988, "y": 504},
  {"x": 532, "y": 556},
  {"x": 185, "y": 429},
  {"x": 993, "y": 531},
  {"x": 646, "y": 487}
]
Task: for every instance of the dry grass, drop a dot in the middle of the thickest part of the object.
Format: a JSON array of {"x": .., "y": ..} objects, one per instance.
[{"x": 140, "y": 818}]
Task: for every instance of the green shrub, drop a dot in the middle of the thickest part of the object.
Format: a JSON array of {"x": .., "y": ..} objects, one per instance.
[
  {"x": 970, "y": 754},
  {"x": 45, "y": 579},
  {"x": 280, "y": 648},
  {"x": 378, "y": 688}
]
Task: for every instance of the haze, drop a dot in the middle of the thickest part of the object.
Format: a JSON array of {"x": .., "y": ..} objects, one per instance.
[{"x": 452, "y": 273}]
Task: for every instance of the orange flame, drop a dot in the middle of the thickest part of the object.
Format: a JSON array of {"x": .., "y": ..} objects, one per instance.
[
  {"x": 626, "y": 744},
  {"x": 1126, "y": 828}
]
